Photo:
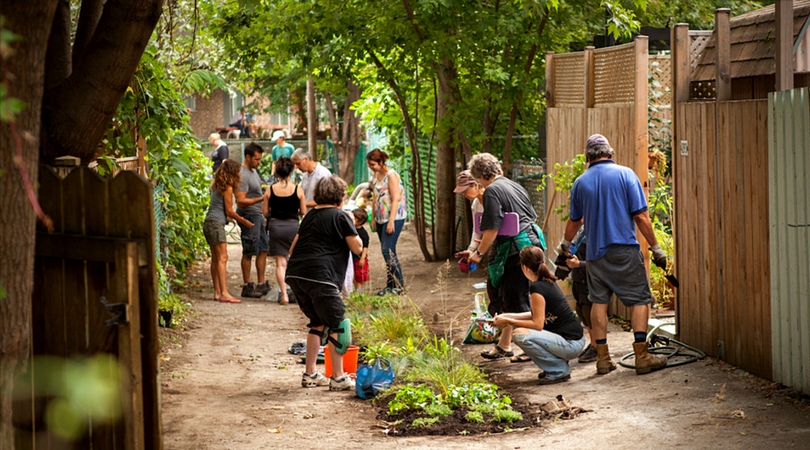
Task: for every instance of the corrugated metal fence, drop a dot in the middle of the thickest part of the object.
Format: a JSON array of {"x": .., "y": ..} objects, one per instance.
[{"x": 789, "y": 226}]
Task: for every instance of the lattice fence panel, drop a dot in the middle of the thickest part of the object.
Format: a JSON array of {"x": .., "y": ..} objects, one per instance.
[
  {"x": 660, "y": 101},
  {"x": 697, "y": 45},
  {"x": 614, "y": 70},
  {"x": 702, "y": 90},
  {"x": 569, "y": 79}
]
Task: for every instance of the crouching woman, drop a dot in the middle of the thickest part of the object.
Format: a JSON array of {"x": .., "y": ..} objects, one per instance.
[{"x": 550, "y": 333}]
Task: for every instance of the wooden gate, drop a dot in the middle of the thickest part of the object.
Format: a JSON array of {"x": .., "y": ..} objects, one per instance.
[
  {"x": 721, "y": 208},
  {"x": 98, "y": 266}
]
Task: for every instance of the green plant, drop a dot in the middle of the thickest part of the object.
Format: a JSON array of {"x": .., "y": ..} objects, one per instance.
[
  {"x": 382, "y": 350},
  {"x": 397, "y": 326},
  {"x": 443, "y": 366},
  {"x": 438, "y": 410},
  {"x": 481, "y": 397},
  {"x": 411, "y": 397},
  {"x": 424, "y": 421},
  {"x": 564, "y": 176},
  {"x": 474, "y": 417},
  {"x": 173, "y": 303},
  {"x": 506, "y": 415}
]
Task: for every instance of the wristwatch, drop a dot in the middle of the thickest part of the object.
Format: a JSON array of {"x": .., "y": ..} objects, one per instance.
[{"x": 478, "y": 253}]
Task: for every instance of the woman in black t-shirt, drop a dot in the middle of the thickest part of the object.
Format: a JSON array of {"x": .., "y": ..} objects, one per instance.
[{"x": 550, "y": 333}]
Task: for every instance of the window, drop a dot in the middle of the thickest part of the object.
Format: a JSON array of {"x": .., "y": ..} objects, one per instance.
[{"x": 190, "y": 102}]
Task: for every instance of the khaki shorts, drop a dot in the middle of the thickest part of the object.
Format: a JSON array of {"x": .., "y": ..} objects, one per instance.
[{"x": 214, "y": 232}]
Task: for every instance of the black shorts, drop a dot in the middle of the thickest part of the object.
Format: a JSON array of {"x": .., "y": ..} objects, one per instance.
[{"x": 319, "y": 301}]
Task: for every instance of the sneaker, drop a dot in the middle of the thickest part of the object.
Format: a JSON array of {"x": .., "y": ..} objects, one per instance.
[
  {"x": 249, "y": 291},
  {"x": 397, "y": 291},
  {"x": 314, "y": 380},
  {"x": 546, "y": 381},
  {"x": 384, "y": 292},
  {"x": 588, "y": 355},
  {"x": 264, "y": 288},
  {"x": 344, "y": 383}
]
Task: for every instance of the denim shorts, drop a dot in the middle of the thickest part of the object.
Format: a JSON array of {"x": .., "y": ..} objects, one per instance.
[{"x": 254, "y": 240}]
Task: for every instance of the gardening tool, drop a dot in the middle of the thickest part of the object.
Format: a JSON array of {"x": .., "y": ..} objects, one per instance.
[
  {"x": 671, "y": 278},
  {"x": 563, "y": 270}
]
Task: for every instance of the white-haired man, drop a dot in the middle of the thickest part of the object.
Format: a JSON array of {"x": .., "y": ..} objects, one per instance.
[{"x": 313, "y": 172}]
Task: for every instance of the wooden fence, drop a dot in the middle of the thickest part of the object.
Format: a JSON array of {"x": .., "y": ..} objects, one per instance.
[
  {"x": 597, "y": 91},
  {"x": 720, "y": 220},
  {"x": 789, "y": 232},
  {"x": 722, "y": 231},
  {"x": 102, "y": 247}
]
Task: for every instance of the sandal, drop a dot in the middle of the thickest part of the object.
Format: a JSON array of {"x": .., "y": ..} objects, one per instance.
[
  {"x": 499, "y": 353},
  {"x": 520, "y": 358}
]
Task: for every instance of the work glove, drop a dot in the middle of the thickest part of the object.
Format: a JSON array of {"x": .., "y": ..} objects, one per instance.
[
  {"x": 658, "y": 256},
  {"x": 564, "y": 249}
]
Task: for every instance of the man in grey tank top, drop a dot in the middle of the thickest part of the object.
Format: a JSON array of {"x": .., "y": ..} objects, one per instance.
[{"x": 249, "y": 199}]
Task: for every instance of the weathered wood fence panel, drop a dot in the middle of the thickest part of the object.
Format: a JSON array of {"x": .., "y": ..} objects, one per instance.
[
  {"x": 102, "y": 247},
  {"x": 722, "y": 231},
  {"x": 789, "y": 232}
]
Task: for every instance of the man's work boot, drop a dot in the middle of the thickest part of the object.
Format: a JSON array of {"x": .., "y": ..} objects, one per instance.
[
  {"x": 646, "y": 362},
  {"x": 603, "y": 362}
]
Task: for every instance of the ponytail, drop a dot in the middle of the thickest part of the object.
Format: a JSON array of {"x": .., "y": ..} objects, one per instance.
[{"x": 535, "y": 260}]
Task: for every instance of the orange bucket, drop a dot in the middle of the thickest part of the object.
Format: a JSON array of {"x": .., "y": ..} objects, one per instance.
[{"x": 349, "y": 360}]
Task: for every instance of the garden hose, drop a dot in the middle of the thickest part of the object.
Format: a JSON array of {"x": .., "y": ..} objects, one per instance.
[{"x": 688, "y": 353}]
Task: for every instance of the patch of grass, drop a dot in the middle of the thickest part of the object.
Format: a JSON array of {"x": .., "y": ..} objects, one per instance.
[
  {"x": 483, "y": 408},
  {"x": 441, "y": 365},
  {"x": 366, "y": 303},
  {"x": 397, "y": 326},
  {"x": 424, "y": 421},
  {"x": 506, "y": 415},
  {"x": 438, "y": 410},
  {"x": 474, "y": 417}
]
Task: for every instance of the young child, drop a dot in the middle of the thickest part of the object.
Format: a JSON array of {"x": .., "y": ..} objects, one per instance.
[
  {"x": 580, "y": 289},
  {"x": 319, "y": 256},
  {"x": 360, "y": 260}
]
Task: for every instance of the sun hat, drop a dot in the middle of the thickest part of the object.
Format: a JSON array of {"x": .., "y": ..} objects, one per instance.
[
  {"x": 464, "y": 181},
  {"x": 277, "y": 134}
]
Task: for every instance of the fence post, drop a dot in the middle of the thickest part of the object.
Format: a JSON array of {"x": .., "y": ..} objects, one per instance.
[
  {"x": 723, "y": 42},
  {"x": 784, "y": 46},
  {"x": 549, "y": 80},
  {"x": 641, "y": 101},
  {"x": 588, "y": 100}
]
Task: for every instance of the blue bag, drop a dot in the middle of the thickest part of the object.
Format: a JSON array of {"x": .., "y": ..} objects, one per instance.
[{"x": 371, "y": 379}]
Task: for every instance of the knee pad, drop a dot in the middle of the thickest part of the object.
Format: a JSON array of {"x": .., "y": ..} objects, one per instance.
[
  {"x": 320, "y": 333},
  {"x": 344, "y": 336}
]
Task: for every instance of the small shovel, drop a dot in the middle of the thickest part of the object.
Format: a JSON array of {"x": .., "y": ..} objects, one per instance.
[{"x": 671, "y": 278}]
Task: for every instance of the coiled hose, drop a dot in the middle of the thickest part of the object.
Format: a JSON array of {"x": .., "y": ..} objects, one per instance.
[{"x": 663, "y": 345}]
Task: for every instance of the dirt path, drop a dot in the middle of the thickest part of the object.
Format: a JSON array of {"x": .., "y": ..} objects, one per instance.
[{"x": 229, "y": 383}]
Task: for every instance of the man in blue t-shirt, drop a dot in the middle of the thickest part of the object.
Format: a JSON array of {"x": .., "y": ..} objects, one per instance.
[{"x": 610, "y": 200}]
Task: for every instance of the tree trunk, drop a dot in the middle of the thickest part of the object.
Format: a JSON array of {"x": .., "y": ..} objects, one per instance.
[
  {"x": 445, "y": 213},
  {"x": 76, "y": 113},
  {"x": 312, "y": 121},
  {"x": 24, "y": 71},
  {"x": 351, "y": 133}
]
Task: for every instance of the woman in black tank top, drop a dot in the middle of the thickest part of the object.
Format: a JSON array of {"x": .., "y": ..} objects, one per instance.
[{"x": 284, "y": 203}]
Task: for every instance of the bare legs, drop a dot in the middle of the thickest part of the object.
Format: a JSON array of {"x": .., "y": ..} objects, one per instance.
[
  {"x": 261, "y": 266},
  {"x": 281, "y": 271},
  {"x": 314, "y": 345},
  {"x": 219, "y": 271},
  {"x": 638, "y": 319}
]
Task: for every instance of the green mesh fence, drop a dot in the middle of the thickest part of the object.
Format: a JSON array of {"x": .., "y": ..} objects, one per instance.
[
  {"x": 160, "y": 214},
  {"x": 402, "y": 165}
]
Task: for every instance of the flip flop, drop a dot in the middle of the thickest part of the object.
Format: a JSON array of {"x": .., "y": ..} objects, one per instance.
[
  {"x": 499, "y": 353},
  {"x": 520, "y": 358}
]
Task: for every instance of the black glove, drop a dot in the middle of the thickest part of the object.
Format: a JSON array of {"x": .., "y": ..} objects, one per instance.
[{"x": 659, "y": 258}]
